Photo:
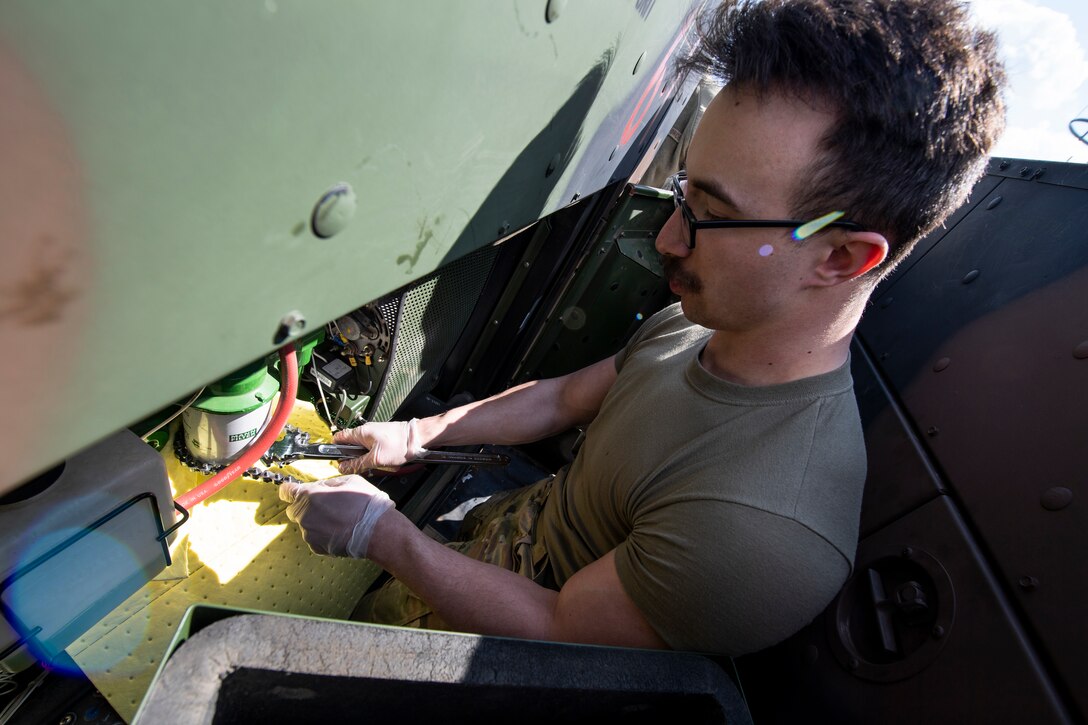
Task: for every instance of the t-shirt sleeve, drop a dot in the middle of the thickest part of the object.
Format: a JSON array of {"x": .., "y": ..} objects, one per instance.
[
  {"x": 649, "y": 328},
  {"x": 750, "y": 580}
]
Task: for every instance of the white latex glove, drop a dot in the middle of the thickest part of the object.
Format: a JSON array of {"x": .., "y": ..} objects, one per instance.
[
  {"x": 337, "y": 516},
  {"x": 391, "y": 445}
]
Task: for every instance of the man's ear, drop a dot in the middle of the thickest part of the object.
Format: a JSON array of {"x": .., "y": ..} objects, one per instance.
[{"x": 850, "y": 256}]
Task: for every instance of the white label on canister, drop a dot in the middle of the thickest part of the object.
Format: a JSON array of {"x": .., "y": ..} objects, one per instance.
[{"x": 215, "y": 438}]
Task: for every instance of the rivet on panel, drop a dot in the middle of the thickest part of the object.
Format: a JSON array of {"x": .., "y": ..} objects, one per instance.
[
  {"x": 1003, "y": 165},
  {"x": 937, "y": 632},
  {"x": 333, "y": 211},
  {"x": 1080, "y": 352},
  {"x": 1028, "y": 583},
  {"x": 907, "y": 552},
  {"x": 941, "y": 364},
  {"x": 970, "y": 276},
  {"x": 291, "y": 324},
  {"x": 555, "y": 7},
  {"x": 1024, "y": 171},
  {"x": 993, "y": 202},
  {"x": 1056, "y": 498}
]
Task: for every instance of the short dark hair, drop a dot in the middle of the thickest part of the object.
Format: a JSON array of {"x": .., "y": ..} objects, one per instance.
[{"x": 916, "y": 86}]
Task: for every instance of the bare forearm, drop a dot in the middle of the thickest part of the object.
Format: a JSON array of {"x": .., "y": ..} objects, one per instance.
[
  {"x": 469, "y": 595},
  {"x": 524, "y": 413}
]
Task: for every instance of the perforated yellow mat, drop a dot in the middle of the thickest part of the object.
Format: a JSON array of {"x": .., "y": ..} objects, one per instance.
[{"x": 237, "y": 549}]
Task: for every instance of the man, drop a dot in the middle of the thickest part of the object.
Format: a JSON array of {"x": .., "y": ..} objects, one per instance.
[{"x": 714, "y": 504}]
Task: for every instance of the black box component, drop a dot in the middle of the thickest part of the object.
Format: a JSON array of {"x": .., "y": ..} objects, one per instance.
[{"x": 273, "y": 669}]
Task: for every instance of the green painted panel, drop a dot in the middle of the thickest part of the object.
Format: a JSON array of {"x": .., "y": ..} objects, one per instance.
[{"x": 193, "y": 139}]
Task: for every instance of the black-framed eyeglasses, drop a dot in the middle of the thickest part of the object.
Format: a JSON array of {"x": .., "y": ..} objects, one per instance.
[{"x": 801, "y": 229}]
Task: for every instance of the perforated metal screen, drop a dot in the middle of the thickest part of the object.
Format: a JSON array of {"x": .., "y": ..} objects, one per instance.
[{"x": 432, "y": 315}]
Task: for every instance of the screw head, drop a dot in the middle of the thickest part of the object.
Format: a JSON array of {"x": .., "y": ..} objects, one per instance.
[
  {"x": 333, "y": 211},
  {"x": 290, "y": 325}
]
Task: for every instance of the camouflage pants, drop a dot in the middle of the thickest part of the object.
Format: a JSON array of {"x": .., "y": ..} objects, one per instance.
[{"x": 500, "y": 531}]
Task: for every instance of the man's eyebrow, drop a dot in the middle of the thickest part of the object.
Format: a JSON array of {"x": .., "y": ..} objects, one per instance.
[{"x": 716, "y": 190}]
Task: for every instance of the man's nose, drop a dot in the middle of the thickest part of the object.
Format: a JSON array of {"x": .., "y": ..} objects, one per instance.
[{"x": 670, "y": 240}]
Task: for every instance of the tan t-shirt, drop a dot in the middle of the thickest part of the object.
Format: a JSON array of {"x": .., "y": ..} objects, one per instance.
[{"x": 733, "y": 509}]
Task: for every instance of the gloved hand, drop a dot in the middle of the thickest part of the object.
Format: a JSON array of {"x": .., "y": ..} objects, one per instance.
[
  {"x": 337, "y": 516},
  {"x": 391, "y": 445}
]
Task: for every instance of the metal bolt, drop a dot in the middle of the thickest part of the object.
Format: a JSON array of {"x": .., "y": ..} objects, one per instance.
[
  {"x": 1004, "y": 165},
  {"x": 1056, "y": 498},
  {"x": 1024, "y": 171},
  {"x": 291, "y": 324},
  {"x": 997, "y": 199},
  {"x": 333, "y": 211},
  {"x": 907, "y": 552},
  {"x": 970, "y": 276},
  {"x": 937, "y": 631},
  {"x": 1028, "y": 583},
  {"x": 554, "y": 8}
]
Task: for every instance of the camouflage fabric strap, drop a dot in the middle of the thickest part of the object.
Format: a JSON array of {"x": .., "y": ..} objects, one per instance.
[{"x": 500, "y": 531}]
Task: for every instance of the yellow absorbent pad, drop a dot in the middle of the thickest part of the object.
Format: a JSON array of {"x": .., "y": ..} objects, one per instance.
[{"x": 237, "y": 549}]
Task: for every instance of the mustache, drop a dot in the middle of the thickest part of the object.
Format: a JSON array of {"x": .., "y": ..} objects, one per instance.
[{"x": 673, "y": 272}]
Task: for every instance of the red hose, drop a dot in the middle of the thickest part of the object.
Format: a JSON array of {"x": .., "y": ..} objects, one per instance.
[{"x": 288, "y": 391}]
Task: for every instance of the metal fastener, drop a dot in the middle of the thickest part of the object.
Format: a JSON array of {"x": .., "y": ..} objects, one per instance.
[
  {"x": 1056, "y": 498},
  {"x": 1028, "y": 583},
  {"x": 554, "y": 8},
  {"x": 995, "y": 201},
  {"x": 291, "y": 324},
  {"x": 970, "y": 276},
  {"x": 941, "y": 364},
  {"x": 333, "y": 211}
]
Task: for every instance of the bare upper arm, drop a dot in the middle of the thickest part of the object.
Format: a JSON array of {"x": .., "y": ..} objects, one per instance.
[
  {"x": 593, "y": 607},
  {"x": 583, "y": 391}
]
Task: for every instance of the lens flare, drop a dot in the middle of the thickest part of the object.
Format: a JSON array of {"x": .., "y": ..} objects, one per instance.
[
  {"x": 807, "y": 229},
  {"x": 766, "y": 250}
]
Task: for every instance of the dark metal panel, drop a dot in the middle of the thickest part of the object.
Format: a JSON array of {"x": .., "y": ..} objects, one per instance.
[
  {"x": 985, "y": 341},
  {"x": 899, "y": 480},
  {"x": 981, "y": 190},
  {"x": 961, "y": 655}
]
